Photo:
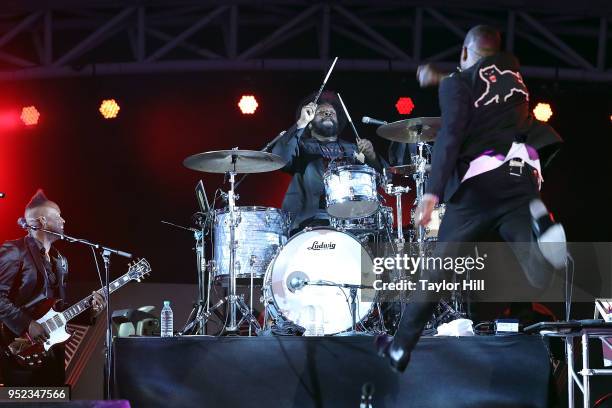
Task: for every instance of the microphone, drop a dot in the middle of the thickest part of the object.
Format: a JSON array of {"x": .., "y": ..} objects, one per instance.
[
  {"x": 371, "y": 121},
  {"x": 296, "y": 280},
  {"x": 22, "y": 223},
  {"x": 296, "y": 284},
  {"x": 367, "y": 392}
]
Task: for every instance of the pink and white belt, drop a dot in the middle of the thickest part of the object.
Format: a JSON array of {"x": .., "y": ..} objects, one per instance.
[{"x": 485, "y": 162}]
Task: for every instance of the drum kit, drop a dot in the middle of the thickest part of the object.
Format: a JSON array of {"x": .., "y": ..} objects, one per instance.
[{"x": 313, "y": 279}]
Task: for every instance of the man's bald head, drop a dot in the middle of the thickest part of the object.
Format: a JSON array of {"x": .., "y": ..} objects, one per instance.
[
  {"x": 481, "y": 41},
  {"x": 484, "y": 39}
]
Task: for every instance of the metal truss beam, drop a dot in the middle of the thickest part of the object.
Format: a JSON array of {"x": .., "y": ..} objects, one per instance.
[{"x": 75, "y": 38}]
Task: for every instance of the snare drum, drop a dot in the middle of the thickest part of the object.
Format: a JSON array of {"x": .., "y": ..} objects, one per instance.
[
  {"x": 318, "y": 255},
  {"x": 259, "y": 232},
  {"x": 351, "y": 191}
]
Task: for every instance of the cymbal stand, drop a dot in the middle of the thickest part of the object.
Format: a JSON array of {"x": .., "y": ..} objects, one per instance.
[
  {"x": 420, "y": 176},
  {"x": 235, "y": 302},
  {"x": 397, "y": 191}
]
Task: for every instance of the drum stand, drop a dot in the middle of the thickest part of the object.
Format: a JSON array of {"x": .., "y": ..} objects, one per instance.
[
  {"x": 397, "y": 191},
  {"x": 420, "y": 177},
  {"x": 202, "y": 305},
  {"x": 235, "y": 302}
]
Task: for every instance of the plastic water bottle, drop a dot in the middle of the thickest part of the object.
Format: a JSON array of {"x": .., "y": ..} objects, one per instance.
[{"x": 167, "y": 320}]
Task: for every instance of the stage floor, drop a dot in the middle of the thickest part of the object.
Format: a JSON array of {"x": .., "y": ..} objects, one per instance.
[{"x": 204, "y": 371}]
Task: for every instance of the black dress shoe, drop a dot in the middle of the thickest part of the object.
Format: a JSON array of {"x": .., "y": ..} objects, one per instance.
[
  {"x": 550, "y": 234},
  {"x": 397, "y": 357}
]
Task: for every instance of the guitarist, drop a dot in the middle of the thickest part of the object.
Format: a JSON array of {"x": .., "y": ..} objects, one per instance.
[{"x": 31, "y": 270}]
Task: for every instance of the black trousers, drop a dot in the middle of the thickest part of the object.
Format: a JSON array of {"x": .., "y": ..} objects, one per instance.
[{"x": 493, "y": 202}]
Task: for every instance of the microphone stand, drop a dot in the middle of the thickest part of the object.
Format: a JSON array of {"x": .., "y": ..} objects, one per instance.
[
  {"x": 105, "y": 253},
  {"x": 353, "y": 302}
]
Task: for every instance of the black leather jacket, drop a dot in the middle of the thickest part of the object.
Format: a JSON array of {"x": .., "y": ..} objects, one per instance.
[{"x": 23, "y": 278}]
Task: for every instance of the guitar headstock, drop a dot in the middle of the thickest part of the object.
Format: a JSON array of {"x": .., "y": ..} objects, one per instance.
[{"x": 139, "y": 269}]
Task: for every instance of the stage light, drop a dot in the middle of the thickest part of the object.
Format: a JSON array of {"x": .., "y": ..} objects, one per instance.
[
  {"x": 542, "y": 112},
  {"x": 29, "y": 115},
  {"x": 404, "y": 105},
  {"x": 109, "y": 108},
  {"x": 248, "y": 104}
]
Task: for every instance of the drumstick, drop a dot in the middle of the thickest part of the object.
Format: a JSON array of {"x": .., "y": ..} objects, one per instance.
[
  {"x": 359, "y": 156},
  {"x": 316, "y": 99},
  {"x": 349, "y": 118}
]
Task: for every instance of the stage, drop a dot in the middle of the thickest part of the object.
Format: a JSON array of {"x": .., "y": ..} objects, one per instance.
[{"x": 203, "y": 371}]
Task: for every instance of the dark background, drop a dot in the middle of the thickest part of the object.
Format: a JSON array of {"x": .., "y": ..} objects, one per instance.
[{"x": 116, "y": 180}]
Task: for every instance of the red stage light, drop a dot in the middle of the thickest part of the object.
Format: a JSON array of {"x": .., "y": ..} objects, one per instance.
[
  {"x": 109, "y": 108},
  {"x": 9, "y": 120},
  {"x": 404, "y": 105},
  {"x": 542, "y": 112},
  {"x": 29, "y": 115},
  {"x": 248, "y": 104}
]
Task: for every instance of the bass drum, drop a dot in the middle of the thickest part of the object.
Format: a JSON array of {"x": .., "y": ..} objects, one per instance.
[{"x": 325, "y": 256}]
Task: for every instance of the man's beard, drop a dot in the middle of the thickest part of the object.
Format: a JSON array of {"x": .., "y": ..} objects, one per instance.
[{"x": 325, "y": 130}]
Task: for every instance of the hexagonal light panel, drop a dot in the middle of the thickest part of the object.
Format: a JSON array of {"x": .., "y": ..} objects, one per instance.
[
  {"x": 109, "y": 108},
  {"x": 30, "y": 115},
  {"x": 542, "y": 112},
  {"x": 404, "y": 105},
  {"x": 248, "y": 104}
]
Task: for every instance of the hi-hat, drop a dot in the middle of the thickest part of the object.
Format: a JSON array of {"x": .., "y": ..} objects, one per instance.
[
  {"x": 238, "y": 161},
  {"x": 412, "y": 130}
]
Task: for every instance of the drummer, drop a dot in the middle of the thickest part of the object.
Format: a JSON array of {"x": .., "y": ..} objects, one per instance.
[{"x": 309, "y": 146}]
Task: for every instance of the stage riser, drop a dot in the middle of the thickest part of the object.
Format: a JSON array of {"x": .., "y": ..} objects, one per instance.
[{"x": 329, "y": 372}]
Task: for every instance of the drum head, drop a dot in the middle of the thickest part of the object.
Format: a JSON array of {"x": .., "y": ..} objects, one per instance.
[{"x": 327, "y": 255}]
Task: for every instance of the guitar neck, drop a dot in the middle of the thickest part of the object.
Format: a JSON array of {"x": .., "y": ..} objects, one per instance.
[{"x": 76, "y": 309}]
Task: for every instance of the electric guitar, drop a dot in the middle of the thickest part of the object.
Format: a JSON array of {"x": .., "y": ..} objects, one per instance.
[{"x": 30, "y": 354}]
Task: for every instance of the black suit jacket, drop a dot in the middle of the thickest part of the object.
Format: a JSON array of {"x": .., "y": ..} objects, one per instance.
[
  {"x": 484, "y": 109},
  {"x": 23, "y": 279}
]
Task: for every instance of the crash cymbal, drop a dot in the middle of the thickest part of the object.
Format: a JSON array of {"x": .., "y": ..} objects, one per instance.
[
  {"x": 240, "y": 161},
  {"x": 406, "y": 170},
  {"x": 412, "y": 130}
]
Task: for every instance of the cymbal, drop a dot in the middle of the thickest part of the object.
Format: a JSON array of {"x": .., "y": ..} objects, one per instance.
[
  {"x": 412, "y": 130},
  {"x": 245, "y": 161},
  {"x": 406, "y": 169}
]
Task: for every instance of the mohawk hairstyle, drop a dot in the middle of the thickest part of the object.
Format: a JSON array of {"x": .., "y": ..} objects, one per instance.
[{"x": 38, "y": 199}]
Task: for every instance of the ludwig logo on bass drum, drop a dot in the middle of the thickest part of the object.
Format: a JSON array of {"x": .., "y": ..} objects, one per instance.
[{"x": 316, "y": 246}]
